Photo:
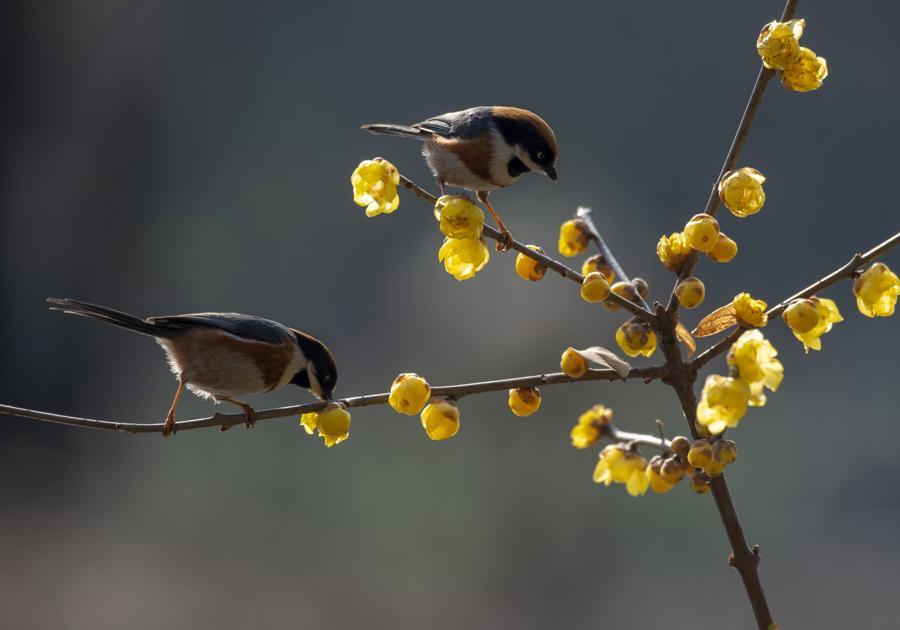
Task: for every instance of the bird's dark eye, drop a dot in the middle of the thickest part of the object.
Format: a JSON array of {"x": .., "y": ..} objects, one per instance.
[{"x": 540, "y": 155}]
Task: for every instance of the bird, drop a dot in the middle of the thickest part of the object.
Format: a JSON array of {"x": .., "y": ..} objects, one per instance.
[
  {"x": 219, "y": 356},
  {"x": 481, "y": 149}
]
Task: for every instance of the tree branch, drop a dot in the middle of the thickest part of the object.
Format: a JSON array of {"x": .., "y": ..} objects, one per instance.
[
  {"x": 734, "y": 151},
  {"x": 843, "y": 272},
  {"x": 225, "y": 421},
  {"x": 547, "y": 261}
]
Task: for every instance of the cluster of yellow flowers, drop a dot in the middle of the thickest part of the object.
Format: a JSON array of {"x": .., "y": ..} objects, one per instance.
[
  {"x": 464, "y": 252},
  {"x": 711, "y": 455},
  {"x": 333, "y": 423},
  {"x": 779, "y": 46},
  {"x": 724, "y": 399},
  {"x": 409, "y": 395}
]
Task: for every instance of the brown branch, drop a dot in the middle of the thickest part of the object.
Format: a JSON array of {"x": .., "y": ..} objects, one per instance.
[
  {"x": 547, "y": 261},
  {"x": 225, "y": 421},
  {"x": 843, "y": 272},
  {"x": 734, "y": 152}
]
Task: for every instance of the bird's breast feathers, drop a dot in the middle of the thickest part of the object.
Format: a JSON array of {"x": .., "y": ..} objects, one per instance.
[
  {"x": 477, "y": 164},
  {"x": 215, "y": 363}
]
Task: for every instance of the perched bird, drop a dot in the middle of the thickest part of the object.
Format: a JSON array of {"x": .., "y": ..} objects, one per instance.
[
  {"x": 482, "y": 149},
  {"x": 222, "y": 355}
]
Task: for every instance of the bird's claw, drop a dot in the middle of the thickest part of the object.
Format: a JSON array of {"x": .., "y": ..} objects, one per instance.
[
  {"x": 505, "y": 241},
  {"x": 249, "y": 417},
  {"x": 169, "y": 426}
]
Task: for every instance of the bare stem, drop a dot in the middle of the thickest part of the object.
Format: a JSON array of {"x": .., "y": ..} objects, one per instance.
[
  {"x": 618, "y": 435},
  {"x": 225, "y": 421},
  {"x": 843, "y": 272},
  {"x": 547, "y": 261}
]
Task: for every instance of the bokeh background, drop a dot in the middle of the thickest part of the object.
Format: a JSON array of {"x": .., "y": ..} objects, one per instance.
[{"x": 173, "y": 156}]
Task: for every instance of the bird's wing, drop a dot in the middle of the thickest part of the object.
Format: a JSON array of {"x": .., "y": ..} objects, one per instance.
[
  {"x": 244, "y": 326},
  {"x": 467, "y": 123},
  {"x": 439, "y": 125}
]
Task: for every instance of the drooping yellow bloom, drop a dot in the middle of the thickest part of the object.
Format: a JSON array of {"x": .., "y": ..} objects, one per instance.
[
  {"x": 464, "y": 257},
  {"x": 778, "y": 43},
  {"x": 333, "y": 423},
  {"x": 459, "y": 217},
  {"x": 528, "y": 268},
  {"x": 636, "y": 337},
  {"x": 801, "y": 316},
  {"x": 440, "y": 420},
  {"x": 673, "y": 250},
  {"x": 741, "y": 191},
  {"x": 598, "y": 262},
  {"x": 524, "y": 401},
  {"x": 806, "y": 74},
  {"x": 753, "y": 356},
  {"x": 594, "y": 287},
  {"x": 573, "y": 364},
  {"x": 876, "y": 291},
  {"x": 409, "y": 393},
  {"x": 724, "y": 251},
  {"x": 617, "y": 465},
  {"x": 723, "y": 403},
  {"x": 690, "y": 292},
  {"x": 828, "y": 316},
  {"x": 375, "y": 186},
  {"x": 750, "y": 312},
  {"x": 573, "y": 237},
  {"x": 590, "y": 426},
  {"x": 656, "y": 481},
  {"x": 702, "y": 232}
]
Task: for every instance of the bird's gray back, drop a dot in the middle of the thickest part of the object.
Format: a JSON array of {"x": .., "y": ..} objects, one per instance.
[{"x": 238, "y": 324}]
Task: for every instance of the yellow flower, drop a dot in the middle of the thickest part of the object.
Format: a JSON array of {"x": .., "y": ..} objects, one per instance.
[
  {"x": 617, "y": 465},
  {"x": 753, "y": 356},
  {"x": 440, "y": 420},
  {"x": 464, "y": 257},
  {"x": 801, "y": 316},
  {"x": 657, "y": 483},
  {"x": 459, "y": 217},
  {"x": 778, "y": 43},
  {"x": 636, "y": 337},
  {"x": 409, "y": 393},
  {"x": 741, "y": 191},
  {"x": 701, "y": 454},
  {"x": 702, "y": 232},
  {"x": 690, "y": 292},
  {"x": 748, "y": 311},
  {"x": 590, "y": 426},
  {"x": 828, "y": 316},
  {"x": 724, "y": 251},
  {"x": 573, "y": 364},
  {"x": 333, "y": 423},
  {"x": 806, "y": 74},
  {"x": 524, "y": 401},
  {"x": 375, "y": 186},
  {"x": 876, "y": 291},
  {"x": 573, "y": 237},
  {"x": 528, "y": 268},
  {"x": 723, "y": 403},
  {"x": 597, "y": 262},
  {"x": 594, "y": 287},
  {"x": 673, "y": 250}
]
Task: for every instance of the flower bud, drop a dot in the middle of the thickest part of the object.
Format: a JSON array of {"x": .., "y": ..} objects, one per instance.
[
  {"x": 673, "y": 250},
  {"x": 524, "y": 401},
  {"x": 690, "y": 292},
  {"x": 672, "y": 470},
  {"x": 598, "y": 262},
  {"x": 409, "y": 393},
  {"x": 724, "y": 451},
  {"x": 636, "y": 337},
  {"x": 334, "y": 424},
  {"x": 573, "y": 237},
  {"x": 724, "y": 251},
  {"x": 440, "y": 420},
  {"x": 741, "y": 191},
  {"x": 801, "y": 316},
  {"x": 700, "y": 454},
  {"x": 699, "y": 483},
  {"x": 681, "y": 445},
  {"x": 594, "y": 287},
  {"x": 528, "y": 268},
  {"x": 702, "y": 232},
  {"x": 573, "y": 364},
  {"x": 624, "y": 290}
]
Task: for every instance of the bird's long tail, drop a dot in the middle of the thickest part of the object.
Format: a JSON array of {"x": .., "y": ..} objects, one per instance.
[
  {"x": 114, "y": 317},
  {"x": 397, "y": 130}
]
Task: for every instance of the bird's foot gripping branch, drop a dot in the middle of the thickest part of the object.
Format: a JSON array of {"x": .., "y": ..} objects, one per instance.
[{"x": 751, "y": 371}]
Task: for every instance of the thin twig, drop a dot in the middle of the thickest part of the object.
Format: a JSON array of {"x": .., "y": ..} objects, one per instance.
[
  {"x": 225, "y": 421},
  {"x": 843, "y": 272},
  {"x": 734, "y": 152},
  {"x": 617, "y": 435},
  {"x": 547, "y": 261}
]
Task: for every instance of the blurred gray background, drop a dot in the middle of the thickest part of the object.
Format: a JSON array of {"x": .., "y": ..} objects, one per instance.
[{"x": 171, "y": 157}]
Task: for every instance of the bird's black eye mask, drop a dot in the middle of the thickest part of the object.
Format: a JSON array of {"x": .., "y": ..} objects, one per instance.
[{"x": 516, "y": 167}]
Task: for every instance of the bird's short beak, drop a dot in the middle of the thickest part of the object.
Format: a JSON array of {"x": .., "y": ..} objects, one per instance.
[{"x": 551, "y": 172}]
